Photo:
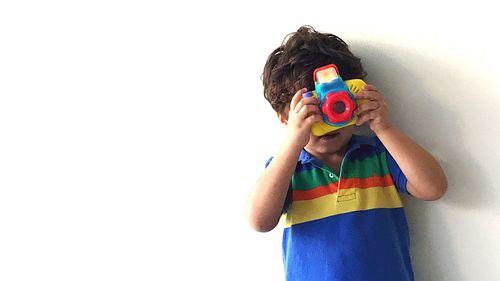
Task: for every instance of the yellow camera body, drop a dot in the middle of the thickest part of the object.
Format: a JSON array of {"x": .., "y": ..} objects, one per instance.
[{"x": 337, "y": 99}]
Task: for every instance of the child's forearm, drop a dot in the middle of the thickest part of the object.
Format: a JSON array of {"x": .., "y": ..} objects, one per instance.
[
  {"x": 426, "y": 178},
  {"x": 268, "y": 195}
]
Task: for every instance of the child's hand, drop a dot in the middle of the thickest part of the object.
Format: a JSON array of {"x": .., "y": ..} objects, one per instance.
[
  {"x": 374, "y": 111},
  {"x": 303, "y": 113}
]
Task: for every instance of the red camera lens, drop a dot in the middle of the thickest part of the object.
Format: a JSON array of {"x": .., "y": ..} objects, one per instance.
[{"x": 338, "y": 107}]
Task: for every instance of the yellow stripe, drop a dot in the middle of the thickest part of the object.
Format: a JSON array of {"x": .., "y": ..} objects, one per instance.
[{"x": 349, "y": 200}]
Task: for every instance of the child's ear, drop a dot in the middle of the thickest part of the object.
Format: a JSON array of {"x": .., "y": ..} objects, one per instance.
[{"x": 283, "y": 117}]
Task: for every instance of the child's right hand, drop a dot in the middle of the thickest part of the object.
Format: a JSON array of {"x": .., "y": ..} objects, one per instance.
[{"x": 304, "y": 112}]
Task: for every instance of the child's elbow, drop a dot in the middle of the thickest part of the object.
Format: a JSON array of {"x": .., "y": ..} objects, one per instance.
[
  {"x": 440, "y": 189},
  {"x": 261, "y": 226},
  {"x": 434, "y": 191},
  {"x": 438, "y": 193},
  {"x": 259, "y": 222}
]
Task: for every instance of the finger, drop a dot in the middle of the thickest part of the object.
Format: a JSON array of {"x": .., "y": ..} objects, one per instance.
[
  {"x": 366, "y": 117},
  {"x": 369, "y": 87},
  {"x": 370, "y": 95},
  {"x": 314, "y": 119},
  {"x": 307, "y": 110},
  {"x": 310, "y": 100},
  {"x": 296, "y": 98},
  {"x": 306, "y": 101},
  {"x": 370, "y": 105}
]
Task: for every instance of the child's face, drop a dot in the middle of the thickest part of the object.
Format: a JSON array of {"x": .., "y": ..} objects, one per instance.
[
  {"x": 330, "y": 143},
  {"x": 325, "y": 145}
]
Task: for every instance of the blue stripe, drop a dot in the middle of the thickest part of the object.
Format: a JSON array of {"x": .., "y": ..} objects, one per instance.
[{"x": 358, "y": 246}]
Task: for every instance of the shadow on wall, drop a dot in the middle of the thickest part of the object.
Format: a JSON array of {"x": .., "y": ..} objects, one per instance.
[
  {"x": 418, "y": 104},
  {"x": 417, "y": 108}
]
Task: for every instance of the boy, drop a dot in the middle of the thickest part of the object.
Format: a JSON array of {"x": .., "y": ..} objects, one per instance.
[{"x": 338, "y": 192}]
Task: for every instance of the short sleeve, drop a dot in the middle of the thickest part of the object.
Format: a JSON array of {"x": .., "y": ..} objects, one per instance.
[
  {"x": 397, "y": 175},
  {"x": 288, "y": 194},
  {"x": 269, "y": 161}
]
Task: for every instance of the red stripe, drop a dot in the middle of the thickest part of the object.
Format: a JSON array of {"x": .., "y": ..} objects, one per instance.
[
  {"x": 323, "y": 190},
  {"x": 315, "y": 192}
]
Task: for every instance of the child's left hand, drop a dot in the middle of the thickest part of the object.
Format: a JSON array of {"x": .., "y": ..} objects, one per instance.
[{"x": 374, "y": 111}]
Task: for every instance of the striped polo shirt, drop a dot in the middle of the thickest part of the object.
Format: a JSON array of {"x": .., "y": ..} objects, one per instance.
[{"x": 351, "y": 226}]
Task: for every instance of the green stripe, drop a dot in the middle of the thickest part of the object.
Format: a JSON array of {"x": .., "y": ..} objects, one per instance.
[
  {"x": 375, "y": 165},
  {"x": 312, "y": 178}
]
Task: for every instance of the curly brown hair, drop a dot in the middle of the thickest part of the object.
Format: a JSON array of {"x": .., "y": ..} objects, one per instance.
[{"x": 289, "y": 68}]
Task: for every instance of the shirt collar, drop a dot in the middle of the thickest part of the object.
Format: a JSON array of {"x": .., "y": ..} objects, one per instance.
[{"x": 355, "y": 143}]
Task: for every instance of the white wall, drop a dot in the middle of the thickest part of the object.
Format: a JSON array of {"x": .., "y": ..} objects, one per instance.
[{"x": 131, "y": 133}]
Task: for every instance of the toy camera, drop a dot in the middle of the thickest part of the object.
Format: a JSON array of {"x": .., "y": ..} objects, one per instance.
[{"x": 337, "y": 101}]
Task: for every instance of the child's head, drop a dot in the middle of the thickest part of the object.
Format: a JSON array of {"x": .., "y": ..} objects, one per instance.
[{"x": 290, "y": 67}]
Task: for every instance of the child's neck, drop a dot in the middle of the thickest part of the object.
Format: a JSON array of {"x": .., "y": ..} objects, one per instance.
[{"x": 332, "y": 160}]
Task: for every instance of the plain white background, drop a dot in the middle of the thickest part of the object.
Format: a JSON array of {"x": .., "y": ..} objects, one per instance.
[{"x": 132, "y": 131}]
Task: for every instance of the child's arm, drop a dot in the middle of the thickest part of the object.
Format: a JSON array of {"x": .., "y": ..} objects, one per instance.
[
  {"x": 267, "y": 197},
  {"x": 426, "y": 179}
]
